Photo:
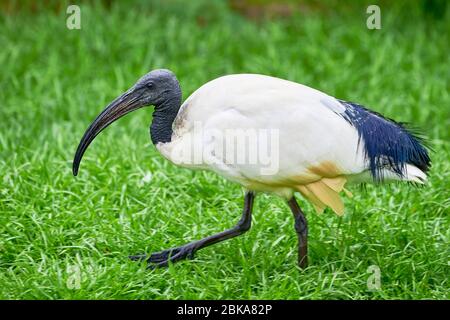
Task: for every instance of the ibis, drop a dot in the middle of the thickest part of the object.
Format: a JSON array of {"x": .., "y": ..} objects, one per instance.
[{"x": 268, "y": 135}]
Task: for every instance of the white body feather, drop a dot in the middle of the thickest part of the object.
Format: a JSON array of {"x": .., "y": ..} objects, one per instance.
[{"x": 319, "y": 151}]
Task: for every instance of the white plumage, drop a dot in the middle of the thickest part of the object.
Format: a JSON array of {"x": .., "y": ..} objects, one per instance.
[{"x": 319, "y": 150}]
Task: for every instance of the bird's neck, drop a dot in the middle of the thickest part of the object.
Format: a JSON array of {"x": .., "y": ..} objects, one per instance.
[{"x": 163, "y": 117}]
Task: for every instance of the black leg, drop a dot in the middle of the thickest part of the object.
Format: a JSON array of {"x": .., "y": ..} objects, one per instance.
[
  {"x": 162, "y": 258},
  {"x": 301, "y": 227}
]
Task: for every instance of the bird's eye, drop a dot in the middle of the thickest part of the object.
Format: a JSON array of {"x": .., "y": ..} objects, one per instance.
[{"x": 149, "y": 85}]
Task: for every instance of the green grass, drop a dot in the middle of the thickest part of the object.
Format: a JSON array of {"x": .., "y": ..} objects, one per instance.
[{"x": 54, "y": 81}]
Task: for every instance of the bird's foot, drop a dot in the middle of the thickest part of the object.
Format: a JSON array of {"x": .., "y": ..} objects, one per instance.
[{"x": 162, "y": 258}]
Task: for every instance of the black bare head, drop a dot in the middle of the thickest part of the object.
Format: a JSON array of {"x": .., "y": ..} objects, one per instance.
[{"x": 159, "y": 88}]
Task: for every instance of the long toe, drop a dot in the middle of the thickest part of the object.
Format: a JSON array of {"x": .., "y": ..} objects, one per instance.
[
  {"x": 155, "y": 257},
  {"x": 138, "y": 257},
  {"x": 162, "y": 264},
  {"x": 163, "y": 258},
  {"x": 163, "y": 255}
]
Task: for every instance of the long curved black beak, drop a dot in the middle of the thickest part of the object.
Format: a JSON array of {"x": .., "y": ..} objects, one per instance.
[{"x": 122, "y": 105}]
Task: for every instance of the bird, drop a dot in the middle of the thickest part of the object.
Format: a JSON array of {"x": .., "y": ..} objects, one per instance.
[{"x": 313, "y": 145}]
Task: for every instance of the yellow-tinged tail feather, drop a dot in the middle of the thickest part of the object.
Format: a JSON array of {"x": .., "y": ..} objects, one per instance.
[{"x": 325, "y": 193}]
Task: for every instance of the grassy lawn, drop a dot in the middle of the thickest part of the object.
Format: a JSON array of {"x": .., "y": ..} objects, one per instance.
[{"x": 66, "y": 237}]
